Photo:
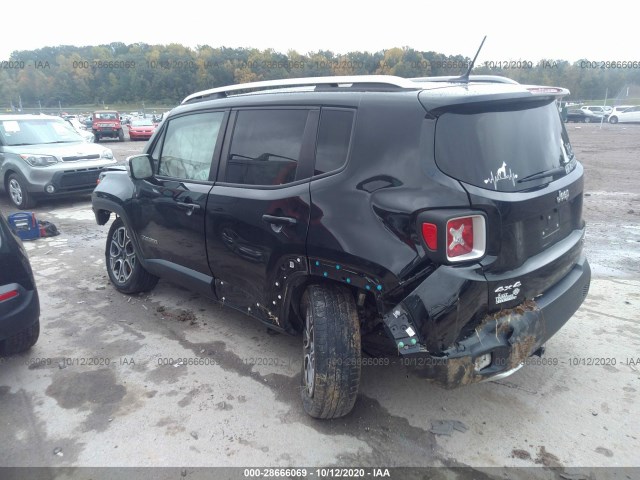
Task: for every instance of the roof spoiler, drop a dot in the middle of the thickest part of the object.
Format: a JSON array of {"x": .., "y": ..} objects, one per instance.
[{"x": 471, "y": 78}]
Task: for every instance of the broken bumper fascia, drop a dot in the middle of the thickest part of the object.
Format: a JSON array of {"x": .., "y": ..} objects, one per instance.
[{"x": 506, "y": 338}]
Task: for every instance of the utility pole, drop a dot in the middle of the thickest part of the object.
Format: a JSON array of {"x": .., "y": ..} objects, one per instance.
[{"x": 606, "y": 94}]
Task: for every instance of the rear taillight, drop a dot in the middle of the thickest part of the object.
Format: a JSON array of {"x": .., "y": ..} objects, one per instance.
[
  {"x": 466, "y": 238},
  {"x": 8, "y": 295},
  {"x": 430, "y": 235}
]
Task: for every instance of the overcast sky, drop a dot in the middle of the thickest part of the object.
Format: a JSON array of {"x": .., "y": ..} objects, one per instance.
[{"x": 516, "y": 30}]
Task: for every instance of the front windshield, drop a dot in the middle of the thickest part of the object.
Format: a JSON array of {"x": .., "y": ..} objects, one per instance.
[
  {"x": 106, "y": 116},
  {"x": 36, "y": 131},
  {"x": 142, "y": 123}
]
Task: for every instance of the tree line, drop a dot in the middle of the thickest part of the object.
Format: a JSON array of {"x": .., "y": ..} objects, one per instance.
[{"x": 165, "y": 74}]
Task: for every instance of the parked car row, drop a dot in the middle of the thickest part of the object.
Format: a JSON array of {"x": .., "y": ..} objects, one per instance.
[{"x": 598, "y": 114}]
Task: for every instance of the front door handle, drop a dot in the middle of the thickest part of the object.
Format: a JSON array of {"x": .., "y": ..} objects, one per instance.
[
  {"x": 190, "y": 207},
  {"x": 279, "y": 220}
]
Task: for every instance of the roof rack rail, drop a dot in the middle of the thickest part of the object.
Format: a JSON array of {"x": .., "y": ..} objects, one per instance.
[
  {"x": 374, "y": 82},
  {"x": 472, "y": 78}
]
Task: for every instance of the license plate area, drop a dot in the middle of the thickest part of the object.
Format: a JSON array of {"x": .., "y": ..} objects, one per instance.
[{"x": 550, "y": 223}]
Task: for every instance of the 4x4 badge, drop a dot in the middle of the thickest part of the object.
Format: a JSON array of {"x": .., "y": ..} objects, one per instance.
[
  {"x": 501, "y": 174},
  {"x": 506, "y": 293},
  {"x": 563, "y": 195}
]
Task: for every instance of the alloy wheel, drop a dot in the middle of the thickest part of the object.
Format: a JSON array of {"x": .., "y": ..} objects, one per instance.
[
  {"x": 309, "y": 353},
  {"x": 122, "y": 257},
  {"x": 15, "y": 190}
]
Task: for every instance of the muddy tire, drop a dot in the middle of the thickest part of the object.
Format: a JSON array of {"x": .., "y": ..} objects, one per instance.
[
  {"x": 21, "y": 341},
  {"x": 125, "y": 271},
  {"x": 331, "y": 351},
  {"x": 18, "y": 194}
]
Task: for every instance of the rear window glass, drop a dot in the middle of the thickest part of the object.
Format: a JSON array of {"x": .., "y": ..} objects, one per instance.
[
  {"x": 266, "y": 146},
  {"x": 498, "y": 147}
]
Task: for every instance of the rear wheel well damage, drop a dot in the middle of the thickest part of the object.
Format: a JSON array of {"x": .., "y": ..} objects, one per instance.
[{"x": 367, "y": 306}]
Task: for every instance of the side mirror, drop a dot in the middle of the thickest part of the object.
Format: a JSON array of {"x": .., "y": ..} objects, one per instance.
[{"x": 140, "y": 167}]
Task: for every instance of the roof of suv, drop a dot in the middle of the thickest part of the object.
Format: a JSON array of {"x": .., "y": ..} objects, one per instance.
[{"x": 434, "y": 92}]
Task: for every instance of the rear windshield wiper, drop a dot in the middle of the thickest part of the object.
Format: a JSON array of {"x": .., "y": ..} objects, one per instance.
[{"x": 547, "y": 173}]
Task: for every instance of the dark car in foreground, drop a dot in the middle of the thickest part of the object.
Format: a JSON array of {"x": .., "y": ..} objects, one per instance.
[
  {"x": 438, "y": 220},
  {"x": 19, "y": 303}
]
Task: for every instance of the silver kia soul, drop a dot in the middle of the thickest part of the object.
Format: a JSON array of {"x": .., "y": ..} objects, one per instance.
[{"x": 42, "y": 156}]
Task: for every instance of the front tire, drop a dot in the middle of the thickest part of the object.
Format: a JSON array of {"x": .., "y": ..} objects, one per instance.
[
  {"x": 18, "y": 192},
  {"x": 587, "y": 120},
  {"x": 125, "y": 271},
  {"x": 613, "y": 120},
  {"x": 121, "y": 135},
  {"x": 331, "y": 351}
]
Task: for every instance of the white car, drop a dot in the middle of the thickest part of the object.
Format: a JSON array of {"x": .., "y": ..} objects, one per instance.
[
  {"x": 628, "y": 115},
  {"x": 81, "y": 130},
  {"x": 597, "y": 110}
]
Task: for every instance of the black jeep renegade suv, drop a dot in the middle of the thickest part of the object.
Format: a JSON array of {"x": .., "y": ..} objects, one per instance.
[{"x": 433, "y": 219}]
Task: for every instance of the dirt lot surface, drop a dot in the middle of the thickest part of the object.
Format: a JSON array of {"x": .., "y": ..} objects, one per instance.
[{"x": 97, "y": 389}]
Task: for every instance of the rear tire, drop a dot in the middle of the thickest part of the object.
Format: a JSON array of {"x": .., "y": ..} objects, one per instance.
[
  {"x": 18, "y": 193},
  {"x": 125, "y": 271},
  {"x": 21, "y": 341},
  {"x": 331, "y": 351},
  {"x": 613, "y": 120},
  {"x": 587, "y": 120}
]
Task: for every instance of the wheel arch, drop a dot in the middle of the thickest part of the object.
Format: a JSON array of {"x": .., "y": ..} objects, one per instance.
[
  {"x": 103, "y": 208},
  {"x": 292, "y": 315},
  {"x": 7, "y": 173}
]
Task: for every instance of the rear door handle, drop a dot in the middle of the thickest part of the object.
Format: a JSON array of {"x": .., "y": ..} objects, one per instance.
[{"x": 279, "y": 220}]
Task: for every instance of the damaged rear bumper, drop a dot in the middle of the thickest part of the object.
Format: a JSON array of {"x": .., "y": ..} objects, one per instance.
[{"x": 500, "y": 343}]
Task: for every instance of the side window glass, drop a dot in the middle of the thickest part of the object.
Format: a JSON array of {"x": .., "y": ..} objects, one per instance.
[
  {"x": 265, "y": 148},
  {"x": 334, "y": 135},
  {"x": 189, "y": 143}
]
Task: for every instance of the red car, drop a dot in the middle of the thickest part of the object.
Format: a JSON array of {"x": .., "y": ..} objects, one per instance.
[{"x": 141, "y": 129}]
